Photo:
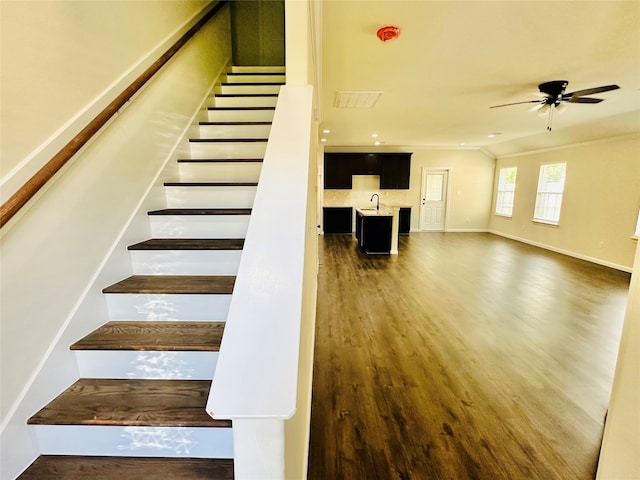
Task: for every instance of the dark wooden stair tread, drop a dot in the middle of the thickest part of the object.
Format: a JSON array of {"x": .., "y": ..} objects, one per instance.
[
  {"x": 117, "y": 402},
  {"x": 236, "y": 123},
  {"x": 241, "y": 108},
  {"x": 154, "y": 336},
  {"x": 201, "y": 211},
  {"x": 246, "y": 94},
  {"x": 228, "y": 140},
  {"x": 233, "y": 84},
  {"x": 174, "y": 284},
  {"x": 255, "y": 73},
  {"x": 189, "y": 244},
  {"x": 210, "y": 184},
  {"x": 73, "y": 467}
]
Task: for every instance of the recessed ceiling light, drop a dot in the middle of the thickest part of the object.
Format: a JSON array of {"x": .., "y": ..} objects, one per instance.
[
  {"x": 323, "y": 139},
  {"x": 374, "y": 135},
  {"x": 493, "y": 135},
  {"x": 377, "y": 143},
  {"x": 326, "y": 131}
]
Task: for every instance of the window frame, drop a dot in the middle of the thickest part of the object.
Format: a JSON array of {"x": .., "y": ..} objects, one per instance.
[
  {"x": 500, "y": 191},
  {"x": 549, "y": 193}
]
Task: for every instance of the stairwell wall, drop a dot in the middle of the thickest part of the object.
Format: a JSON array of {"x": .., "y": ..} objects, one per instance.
[
  {"x": 70, "y": 241},
  {"x": 303, "y": 54}
]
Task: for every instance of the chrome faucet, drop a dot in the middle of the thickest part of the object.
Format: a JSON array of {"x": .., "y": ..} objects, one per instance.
[{"x": 377, "y": 200}]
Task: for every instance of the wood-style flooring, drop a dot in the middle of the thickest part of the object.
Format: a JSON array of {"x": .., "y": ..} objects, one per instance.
[
  {"x": 467, "y": 356},
  {"x": 70, "y": 467}
]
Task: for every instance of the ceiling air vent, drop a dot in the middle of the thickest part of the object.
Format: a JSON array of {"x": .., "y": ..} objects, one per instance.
[{"x": 356, "y": 99}]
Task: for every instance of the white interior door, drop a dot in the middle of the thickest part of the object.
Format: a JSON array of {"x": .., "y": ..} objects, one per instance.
[{"x": 434, "y": 199}]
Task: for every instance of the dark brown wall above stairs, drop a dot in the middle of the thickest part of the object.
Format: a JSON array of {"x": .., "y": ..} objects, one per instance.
[{"x": 258, "y": 32}]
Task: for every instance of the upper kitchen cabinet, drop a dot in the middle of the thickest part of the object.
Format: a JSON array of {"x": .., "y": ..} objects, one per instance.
[
  {"x": 337, "y": 172},
  {"x": 396, "y": 170},
  {"x": 366, "y": 164},
  {"x": 393, "y": 169}
]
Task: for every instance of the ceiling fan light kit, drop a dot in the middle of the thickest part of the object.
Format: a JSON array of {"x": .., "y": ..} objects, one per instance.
[{"x": 556, "y": 97}]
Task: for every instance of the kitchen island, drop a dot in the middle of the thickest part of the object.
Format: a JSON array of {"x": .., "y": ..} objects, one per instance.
[{"x": 377, "y": 230}]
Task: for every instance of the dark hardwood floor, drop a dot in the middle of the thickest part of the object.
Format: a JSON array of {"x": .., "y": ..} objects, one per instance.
[{"x": 468, "y": 356}]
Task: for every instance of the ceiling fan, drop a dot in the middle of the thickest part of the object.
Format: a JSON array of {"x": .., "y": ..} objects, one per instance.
[{"x": 555, "y": 97}]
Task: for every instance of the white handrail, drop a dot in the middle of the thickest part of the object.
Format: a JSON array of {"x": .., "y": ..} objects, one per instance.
[{"x": 257, "y": 370}]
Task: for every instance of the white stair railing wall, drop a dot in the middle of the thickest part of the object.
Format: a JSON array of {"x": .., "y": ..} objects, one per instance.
[{"x": 257, "y": 378}]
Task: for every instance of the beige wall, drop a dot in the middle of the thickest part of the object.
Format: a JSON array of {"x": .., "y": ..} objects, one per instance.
[
  {"x": 64, "y": 61},
  {"x": 619, "y": 457},
  {"x": 600, "y": 204},
  {"x": 300, "y": 45},
  {"x": 471, "y": 175}
]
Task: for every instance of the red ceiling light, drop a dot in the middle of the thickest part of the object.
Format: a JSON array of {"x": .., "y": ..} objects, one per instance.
[{"x": 388, "y": 33}]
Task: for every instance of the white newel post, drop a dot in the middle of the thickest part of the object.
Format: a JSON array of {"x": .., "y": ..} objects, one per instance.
[
  {"x": 258, "y": 449},
  {"x": 395, "y": 230}
]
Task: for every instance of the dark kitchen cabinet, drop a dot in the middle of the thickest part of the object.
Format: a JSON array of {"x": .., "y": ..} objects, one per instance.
[
  {"x": 337, "y": 173},
  {"x": 366, "y": 164},
  {"x": 393, "y": 168},
  {"x": 373, "y": 233},
  {"x": 395, "y": 171},
  {"x": 404, "y": 226},
  {"x": 337, "y": 220}
]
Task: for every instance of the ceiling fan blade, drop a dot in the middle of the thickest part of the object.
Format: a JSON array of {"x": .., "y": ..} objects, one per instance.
[
  {"x": 518, "y": 103},
  {"x": 583, "y": 100},
  {"x": 591, "y": 91}
]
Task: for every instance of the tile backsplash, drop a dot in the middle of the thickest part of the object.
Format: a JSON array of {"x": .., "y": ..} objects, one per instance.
[{"x": 359, "y": 196}]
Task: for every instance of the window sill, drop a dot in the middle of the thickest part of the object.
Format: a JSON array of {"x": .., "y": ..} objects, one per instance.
[
  {"x": 503, "y": 215},
  {"x": 546, "y": 223}
]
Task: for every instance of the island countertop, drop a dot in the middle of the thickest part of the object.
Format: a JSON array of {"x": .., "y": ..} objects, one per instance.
[{"x": 372, "y": 212}]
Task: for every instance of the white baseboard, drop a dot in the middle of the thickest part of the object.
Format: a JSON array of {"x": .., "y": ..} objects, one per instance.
[
  {"x": 564, "y": 252},
  {"x": 452, "y": 230}
]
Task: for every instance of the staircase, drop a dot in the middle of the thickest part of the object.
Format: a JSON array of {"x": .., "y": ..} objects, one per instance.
[{"x": 138, "y": 410}]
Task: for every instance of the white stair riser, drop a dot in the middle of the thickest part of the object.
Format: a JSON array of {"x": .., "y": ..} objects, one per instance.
[
  {"x": 256, "y": 68},
  {"x": 235, "y": 131},
  {"x": 130, "y": 306},
  {"x": 220, "y": 171},
  {"x": 199, "y": 226},
  {"x": 269, "y": 101},
  {"x": 240, "y": 78},
  {"x": 150, "y": 365},
  {"x": 248, "y": 89},
  {"x": 210, "y": 197},
  {"x": 185, "y": 262},
  {"x": 194, "y": 442},
  {"x": 228, "y": 149},
  {"x": 239, "y": 115}
]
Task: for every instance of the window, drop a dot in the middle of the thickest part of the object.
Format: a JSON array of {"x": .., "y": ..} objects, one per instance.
[
  {"x": 506, "y": 191},
  {"x": 550, "y": 189}
]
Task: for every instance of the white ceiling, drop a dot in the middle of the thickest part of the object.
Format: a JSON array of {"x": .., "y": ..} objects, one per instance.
[{"x": 455, "y": 59}]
